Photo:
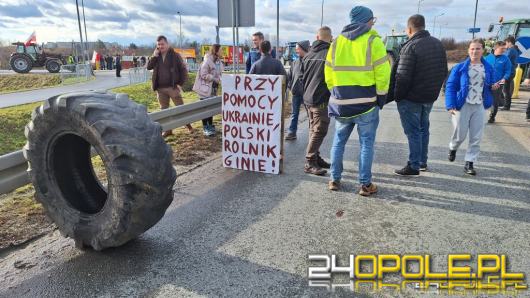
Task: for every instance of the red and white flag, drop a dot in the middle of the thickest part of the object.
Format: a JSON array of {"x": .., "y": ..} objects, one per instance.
[{"x": 31, "y": 39}]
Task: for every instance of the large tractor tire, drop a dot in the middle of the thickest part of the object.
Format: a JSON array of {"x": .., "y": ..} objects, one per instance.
[
  {"x": 53, "y": 65},
  {"x": 140, "y": 176},
  {"x": 21, "y": 63}
]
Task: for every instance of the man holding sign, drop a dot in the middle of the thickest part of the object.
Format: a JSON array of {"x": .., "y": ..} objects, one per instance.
[{"x": 252, "y": 122}]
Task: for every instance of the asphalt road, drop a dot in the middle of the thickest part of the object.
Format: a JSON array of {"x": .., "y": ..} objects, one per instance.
[
  {"x": 104, "y": 80},
  {"x": 239, "y": 234},
  {"x": 33, "y": 71}
]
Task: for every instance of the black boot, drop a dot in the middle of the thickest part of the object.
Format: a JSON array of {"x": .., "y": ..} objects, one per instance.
[
  {"x": 452, "y": 155},
  {"x": 407, "y": 171},
  {"x": 312, "y": 167},
  {"x": 468, "y": 168},
  {"x": 322, "y": 163}
]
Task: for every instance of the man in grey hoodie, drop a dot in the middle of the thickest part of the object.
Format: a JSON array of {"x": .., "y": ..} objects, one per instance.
[{"x": 295, "y": 84}]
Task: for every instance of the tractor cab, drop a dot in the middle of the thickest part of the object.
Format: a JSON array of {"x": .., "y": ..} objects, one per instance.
[
  {"x": 33, "y": 50},
  {"x": 516, "y": 28},
  {"x": 393, "y": 45}
]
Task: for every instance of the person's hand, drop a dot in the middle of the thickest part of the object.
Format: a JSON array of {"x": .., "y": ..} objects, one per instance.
[
  {"x": 502, "y": 82},
  {"x": 156, "y": 52},
  {"x": 452, "y": 111},
  {"x": 495, "y": 86}
]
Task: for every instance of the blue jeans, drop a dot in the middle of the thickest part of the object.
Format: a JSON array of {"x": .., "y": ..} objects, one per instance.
[
  {"x": 366, "y": 128},
  {"x": 415, "y": 122},
  {"x": 296, "y": 103}
]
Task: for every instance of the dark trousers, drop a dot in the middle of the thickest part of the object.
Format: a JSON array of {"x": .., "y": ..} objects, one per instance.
[
  {"x": 415, "y": 121},
  {"x": 207, "y": 122},
  {"x": 497, "y": 101},
  {"x": 507, "y": 89},
  {"x": 528, "y": 110},
  {"x": 318, "y": 129},
  {"x": 118, "y": 71}
]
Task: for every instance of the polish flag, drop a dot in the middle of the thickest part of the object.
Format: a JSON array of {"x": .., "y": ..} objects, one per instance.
[{"x": 31, "y": 39}]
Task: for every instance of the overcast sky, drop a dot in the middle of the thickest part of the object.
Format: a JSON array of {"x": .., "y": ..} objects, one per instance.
[{"x": 126, "y": 21}]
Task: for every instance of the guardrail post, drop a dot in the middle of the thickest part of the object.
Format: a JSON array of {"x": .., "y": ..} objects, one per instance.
[{"x": 13, "y": 165}]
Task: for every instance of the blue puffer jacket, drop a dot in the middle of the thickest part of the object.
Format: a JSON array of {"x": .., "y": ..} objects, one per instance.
[{"x": 457, "y": 86}]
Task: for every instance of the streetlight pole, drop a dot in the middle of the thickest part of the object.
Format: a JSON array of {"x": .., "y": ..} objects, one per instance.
[
  {"x": 277, "y": 29},
  {"x": 434, "y": 22},
  {"x": 84, "y": 22},
  {"x": 322, "y": 15},
  {"x": 79, "y": 23},
  {"x": 440, "y": 31},
  {"x": 475, "y": 20},
  {"x": 217, "y": 35},
  {"x": 419, "y": 3},
  {"x": 180, "y": 29}
]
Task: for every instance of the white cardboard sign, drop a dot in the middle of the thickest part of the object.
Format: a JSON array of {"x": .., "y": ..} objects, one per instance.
[{"x": 252, "y": 122}]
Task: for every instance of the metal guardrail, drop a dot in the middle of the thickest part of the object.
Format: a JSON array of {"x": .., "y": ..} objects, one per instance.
[
  {"x": 74, "y": 73},
  {"x": 193, "y": 67},
  {"x": 139, "y": 75},
  {"x": 13, "y": 166}
]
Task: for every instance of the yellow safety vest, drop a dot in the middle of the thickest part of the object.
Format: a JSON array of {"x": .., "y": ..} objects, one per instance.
[{"x": 354, "y": 67}]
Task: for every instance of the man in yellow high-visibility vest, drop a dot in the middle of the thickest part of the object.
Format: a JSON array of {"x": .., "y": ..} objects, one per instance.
[{"x": 357, "y": 74}]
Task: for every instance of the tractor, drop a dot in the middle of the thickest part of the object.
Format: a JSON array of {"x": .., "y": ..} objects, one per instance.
[
  {"x": 516, "y": 28},
  {"x": 28, "y": 56},
  {"x": 289, "y": 54},
  {"x": 393, "y": 45}
]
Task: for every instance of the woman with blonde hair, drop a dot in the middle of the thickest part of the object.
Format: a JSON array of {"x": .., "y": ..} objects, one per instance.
[{"x": 207, "y": 82}]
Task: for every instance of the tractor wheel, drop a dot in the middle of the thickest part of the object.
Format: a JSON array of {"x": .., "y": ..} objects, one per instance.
[
  {"x": 53, "y": 65},
  {"x": 21, "y": 63},
  {"x": 140, "y": 177}
]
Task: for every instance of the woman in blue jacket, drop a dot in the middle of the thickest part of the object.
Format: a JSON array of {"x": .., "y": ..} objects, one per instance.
[
  {"x": 467, "y": 96},
  {"x": 502, "y": 69}
]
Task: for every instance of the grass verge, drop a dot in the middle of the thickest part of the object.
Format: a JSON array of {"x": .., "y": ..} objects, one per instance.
[
  {"x": 21, "y": 82},
  {"x": 25, "y": 218}
]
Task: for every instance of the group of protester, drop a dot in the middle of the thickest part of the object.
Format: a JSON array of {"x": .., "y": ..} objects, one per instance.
[
  {"x": 350, "y": 79},
  {"x": 139, "y": 61},
  {"x": 107, "y": 62}
]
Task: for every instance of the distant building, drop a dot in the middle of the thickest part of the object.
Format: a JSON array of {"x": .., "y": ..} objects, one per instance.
[{"x": 76, "y": 45}]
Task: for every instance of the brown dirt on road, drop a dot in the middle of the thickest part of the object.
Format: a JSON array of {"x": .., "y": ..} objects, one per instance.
[{"x": 21, "y": 218}]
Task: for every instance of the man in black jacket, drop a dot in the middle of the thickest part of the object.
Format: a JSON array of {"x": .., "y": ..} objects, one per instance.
[
  {"x": 267, "y": 65},
  {"x": 415, "y": 84},
  {"x": 316, "y": 98}
]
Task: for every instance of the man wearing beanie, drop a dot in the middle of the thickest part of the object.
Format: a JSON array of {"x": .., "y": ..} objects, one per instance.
[
  {"x": 316, "y": 98},
  {"x": 295, "y": 84},
  {"x": 357, "y": 74}
]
